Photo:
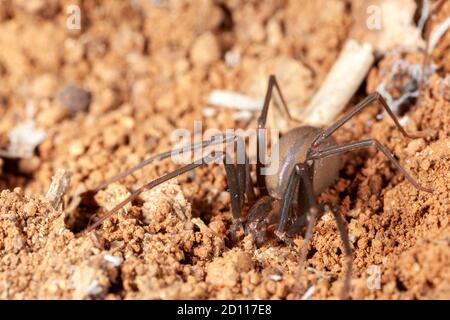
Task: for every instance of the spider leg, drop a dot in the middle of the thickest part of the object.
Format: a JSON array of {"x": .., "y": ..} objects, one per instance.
[
  {"x": 312, "y": 216},
  {"x": 234, "y": 189},
  {"x": 306, "y": 171},
  {"x": 300, "y": 179},
  {"x": 239, "y": 183},
  {"x": 286, "y": 203},
  {"x": 261, "y": 132},
  {"x": 141, "y": 189},
  {"x": 345, "y": 147},
  {"x": 237, "y": 178},
  {"x": 340, "y": 222},
  {"x": 312, "y": 219},
  {"x": 306, "y": 200},
  {"x": 265, "y": 109},
  {"x": 214, "y": 141},
  {"x": 374, "y": 97},
  {"x": 164, "y": 155},
  {"x": 236, "y": 175},
  {"x": 243, "y": 172}
]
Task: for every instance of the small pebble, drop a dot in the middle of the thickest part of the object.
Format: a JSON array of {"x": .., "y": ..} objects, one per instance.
[
  {"x": 218, "y": 227},
  {"x": 76, "y": 148},
  {"x": 30, "y": 209},
  {"x": 232, "y": 59},
  {"x": 271, "y": 287},
  {"x": 209, "y": 112},
  {"x": 18, "y": 190},
  {"x": 275, "y": 277},
  {"x": 44, "y": 86},
  {"x": 415, "y": 146},
  {"x": 113, "y": 260},
  {"x": 255, "y": 278},
  {"x": 74, "y": 98},
  {"x": 205, "y": 50},
  {"x": 274, "y": 33}
]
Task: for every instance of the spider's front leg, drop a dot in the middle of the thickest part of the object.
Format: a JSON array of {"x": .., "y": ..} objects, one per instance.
[
  {"x": 240, "y": 185},
  {"x": 301, "y": 183},
  {"x": 302, "y": 178},
  {"x": 261, "y": 129},
  {"x": 367, "y": 101},
  {"x": 88, "y": 196}
]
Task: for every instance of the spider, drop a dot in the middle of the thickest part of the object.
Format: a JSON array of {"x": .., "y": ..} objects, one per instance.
[{"x": 309, "y": 161}]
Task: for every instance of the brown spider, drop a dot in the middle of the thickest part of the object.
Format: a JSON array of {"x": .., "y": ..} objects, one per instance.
[{"x": 309, "y": 162}]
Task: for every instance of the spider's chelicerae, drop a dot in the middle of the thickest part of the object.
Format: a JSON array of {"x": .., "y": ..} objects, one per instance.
[{"x": 309, "y": 162}]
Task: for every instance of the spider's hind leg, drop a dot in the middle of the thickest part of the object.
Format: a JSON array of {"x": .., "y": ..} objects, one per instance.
[{"x": 348, "y": 255}]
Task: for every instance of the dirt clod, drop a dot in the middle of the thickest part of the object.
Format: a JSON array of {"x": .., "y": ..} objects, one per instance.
[
  {"x": 205, "y": 50},
  {"x": 225, "y": 271}
]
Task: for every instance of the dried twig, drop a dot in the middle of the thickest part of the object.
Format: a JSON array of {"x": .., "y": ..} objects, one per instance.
[
  {"x": 58, "y": 187},
  {"x": 341, "y": 83}
]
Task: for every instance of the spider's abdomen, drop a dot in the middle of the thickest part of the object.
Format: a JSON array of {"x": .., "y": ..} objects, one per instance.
[{"x": 293, "y": 147}]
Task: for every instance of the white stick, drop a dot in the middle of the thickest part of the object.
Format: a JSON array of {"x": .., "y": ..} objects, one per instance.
[
  {"x": 341, "y": 83},
  {"x": 308, "y": 294},
  {"x": 437, "y": 33},
  {"x": 235, "y": 100}
]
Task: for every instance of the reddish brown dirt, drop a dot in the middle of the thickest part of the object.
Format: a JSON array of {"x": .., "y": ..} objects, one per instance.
[{"x": 148, "y": 73}]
